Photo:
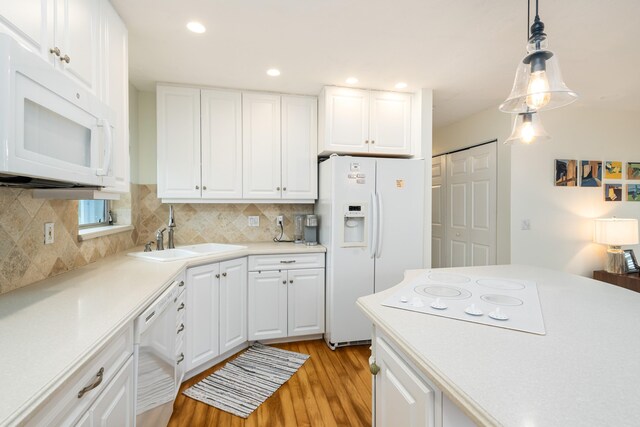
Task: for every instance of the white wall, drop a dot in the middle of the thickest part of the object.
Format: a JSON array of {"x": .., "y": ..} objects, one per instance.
[
  {"x": 133, "y": 134},
  {"x": 423, "y": 129},
  {"x": 147, "y": 152},
  {"x": 562, "y": 217},
  {"x": 483, "y": 127}
]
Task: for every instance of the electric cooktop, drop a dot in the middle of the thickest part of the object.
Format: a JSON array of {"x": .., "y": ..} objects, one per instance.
[{"x": 504, "y": 303}]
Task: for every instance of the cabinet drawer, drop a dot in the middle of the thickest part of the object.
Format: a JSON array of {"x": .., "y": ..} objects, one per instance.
[
  {"x": 64, "y": 407},
  {"x": 285, "y": 261}
]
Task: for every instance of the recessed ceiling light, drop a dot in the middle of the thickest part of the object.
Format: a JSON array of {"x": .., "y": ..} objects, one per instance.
[
  {"x": 401, "y": 85},
  {"x": 351, "y": 80},
  {"x": 273, "y": 72},
  {"x": 196, "y": 27}
]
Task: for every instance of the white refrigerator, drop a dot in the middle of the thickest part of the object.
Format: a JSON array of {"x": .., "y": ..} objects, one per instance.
[{"x": 371, "y": 222}]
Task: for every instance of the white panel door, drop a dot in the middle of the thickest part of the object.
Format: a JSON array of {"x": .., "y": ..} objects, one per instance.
[
  {"x": 26, "y": 20},
  {"x": 401, "y": 397},
  {"x": 345, "y": 114},
  {"x": 202, "y": 314},
  {"x": 306, "y": 301},
  {"x": 390, "y": 123},
  {"x": 438, "y": 211},
  {"x": 221, "y": 144},
  {"x": 267, "y": 305},
  {"x": 178, "y": 110},
  {"x": 114, "y": 406},
  {"x": 233, "y": 303},
  {"x": 471, "y": 204},
  {"x": 76, "y": 34},
  {"x": 261, "y": 146},
  {"x": 115, "y": 91},
  {"x": 400, "y": 207},
  {"x": 299, "y": 147}
]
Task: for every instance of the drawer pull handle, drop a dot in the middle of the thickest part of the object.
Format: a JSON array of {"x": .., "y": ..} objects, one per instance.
[
  {"x": 181, "y": 328},
  {"x": 224, "y": 274},
  {"x": 180, "y": 359},
  {"x": 95, "y": 384},
  {"x": 181, "y": 307},
  {"x": 217, "y": 276},
  {"x": 181, "y": 284},
  {"x": 288, "y": 262}
]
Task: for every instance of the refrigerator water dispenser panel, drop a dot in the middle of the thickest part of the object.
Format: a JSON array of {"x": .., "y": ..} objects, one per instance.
[{"x": 354, "y": 226}]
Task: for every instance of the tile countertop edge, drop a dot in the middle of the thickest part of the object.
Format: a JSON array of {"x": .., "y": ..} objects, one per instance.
[
  {"x": 26, "y": 410},
  {"x": 468, "y": 405}
]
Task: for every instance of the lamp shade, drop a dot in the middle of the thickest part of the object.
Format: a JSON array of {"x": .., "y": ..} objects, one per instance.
[{"x": 616, "y": 231}]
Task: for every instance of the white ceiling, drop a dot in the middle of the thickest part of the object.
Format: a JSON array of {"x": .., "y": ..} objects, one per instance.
[{"x": 466, "y": 50}]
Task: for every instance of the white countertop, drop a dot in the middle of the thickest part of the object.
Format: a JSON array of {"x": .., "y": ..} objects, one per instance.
[
  {"x": 584, "y": 372},
  {"x": 51, "y": 327}
]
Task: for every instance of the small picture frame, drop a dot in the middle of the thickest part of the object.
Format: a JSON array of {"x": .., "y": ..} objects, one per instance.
[{"x": 630, "y": 262}]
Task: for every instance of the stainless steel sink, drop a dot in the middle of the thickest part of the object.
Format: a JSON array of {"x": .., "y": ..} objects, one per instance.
[{"x": 186, "y": 252}]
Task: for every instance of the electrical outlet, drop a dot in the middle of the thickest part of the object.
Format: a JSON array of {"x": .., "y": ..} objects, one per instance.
[
  {"x": 254, "y": 221},
  {"x": 280, "y": 220},
  {"x": 48, "y": 233}
]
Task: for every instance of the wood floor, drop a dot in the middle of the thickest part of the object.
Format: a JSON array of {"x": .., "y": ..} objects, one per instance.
[{"x": 333, "y": 388}]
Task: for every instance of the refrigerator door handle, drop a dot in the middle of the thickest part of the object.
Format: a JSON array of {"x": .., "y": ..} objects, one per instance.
[
  {"x": 380, "y": 225},
  {"x": 374, "y": 225}
]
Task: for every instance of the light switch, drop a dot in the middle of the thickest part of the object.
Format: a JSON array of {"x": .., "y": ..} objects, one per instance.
[{"x": 48, "y": 233}]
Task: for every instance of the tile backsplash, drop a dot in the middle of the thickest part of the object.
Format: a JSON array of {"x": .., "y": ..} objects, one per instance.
[{"x": 24, "y": 258}]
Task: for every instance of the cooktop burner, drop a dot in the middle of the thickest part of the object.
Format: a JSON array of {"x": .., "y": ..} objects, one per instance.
[{"x": 504, "y": 303}]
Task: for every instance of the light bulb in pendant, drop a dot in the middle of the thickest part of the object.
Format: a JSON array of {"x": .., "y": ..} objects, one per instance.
[
  {"x": 527, "y": 129},
  {"x": 527, "y": 133},
  {"x": 538, "y": 90}
]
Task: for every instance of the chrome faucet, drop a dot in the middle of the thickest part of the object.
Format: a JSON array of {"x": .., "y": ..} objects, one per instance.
[
  {"x": 171, "y": 226},
  {"x": 160, "y": 240}
]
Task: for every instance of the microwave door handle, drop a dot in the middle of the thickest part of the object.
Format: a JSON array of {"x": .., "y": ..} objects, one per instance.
[{"x": 106, "y": 162}]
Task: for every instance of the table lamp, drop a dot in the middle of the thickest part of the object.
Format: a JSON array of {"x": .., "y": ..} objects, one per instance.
[{"x": 616, "y": 232}]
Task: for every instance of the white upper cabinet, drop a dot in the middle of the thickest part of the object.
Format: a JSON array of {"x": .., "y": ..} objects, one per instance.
[
  {"x": 221, "y": 144},
  {"x": 390, "y": 123},
  {"x": 26, "y": 21},
  {"x": 178, "y": 112},
  {"x": 115, "y": 90},
  {"x": 261, "y": 146},
  {"x": 299, "y": 147},
  {"x": 356, "y": 121}
]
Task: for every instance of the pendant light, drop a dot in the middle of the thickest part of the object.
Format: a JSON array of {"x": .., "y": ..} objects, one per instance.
[
  {"x": 527, "y": 129},
  {"x": 538, "y": 84}
]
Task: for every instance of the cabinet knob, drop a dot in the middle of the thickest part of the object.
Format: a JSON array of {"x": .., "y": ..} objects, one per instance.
[
  {"x": 224, "y": 274},
  {"x": 204, "y": 187},
  {"x": 374, "y": 369},
  {"x": 65, "y": 59},
  {"x": 284, "y": 282},
  {"x": 291, "y": 281},
  {"x": 277, "y": 188},
  {"x": 197, "y": 187},
  {"x": 372, "y": 141},
  {"x": 367, "y": 141},
  {"x": 217, "y": 276},
  {"x": 55, "y": 51},
  {"x": 284, "y": 188}
]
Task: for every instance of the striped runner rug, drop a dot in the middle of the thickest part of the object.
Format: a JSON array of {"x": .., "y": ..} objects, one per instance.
[{"x": 241, "y": 385}]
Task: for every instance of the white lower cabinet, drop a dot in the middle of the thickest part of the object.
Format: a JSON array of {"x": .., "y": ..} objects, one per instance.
[
  {"x": 285, "y": 303},
  {"x": 216, "y": 307},
  {"x": 404, "y": 397},
  {"x": 114, "y": 407}
]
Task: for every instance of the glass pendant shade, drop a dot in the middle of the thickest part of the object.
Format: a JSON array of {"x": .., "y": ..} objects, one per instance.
[
  {"x": 538, "y": 85},
  {"x": 527, "y": 129}
]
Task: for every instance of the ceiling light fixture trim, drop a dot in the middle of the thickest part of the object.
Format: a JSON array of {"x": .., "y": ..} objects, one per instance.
[{"x": 196, "y": 27}]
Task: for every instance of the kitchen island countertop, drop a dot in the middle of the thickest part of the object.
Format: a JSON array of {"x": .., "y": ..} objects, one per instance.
[
  {"x": 50, "y": 328},
  {"x": 584, "y": 372}
]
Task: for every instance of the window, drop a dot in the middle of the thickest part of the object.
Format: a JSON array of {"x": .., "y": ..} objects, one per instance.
[{"x": 93, "y": 213}]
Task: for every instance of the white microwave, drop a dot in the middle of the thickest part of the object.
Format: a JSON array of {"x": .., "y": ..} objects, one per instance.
[{"x": 53, "y": 133}]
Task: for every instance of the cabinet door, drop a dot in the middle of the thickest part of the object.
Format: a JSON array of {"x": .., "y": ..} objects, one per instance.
[
  {"x": 401, "y": 397},
  {"x": 115, "y": 90},
  {"x": 299, "y": 147},
  {"x": 178, "y": 142},
  {"x": 233, "y": 303},
  {"x": 114, "y": 407},
  {"x": 306, "y": 302},
  {"x": 202, "y": 314},
  {"x": 267, "y": 305},
  {"x": 26, "y": 21},
  {"x": 390, "y": 123},
  {"x": 221, "y": 144},
  {"x": 344, "y": 120},
  {"x": 76, "y": 34},
  {"x": 261, "y": 146}
]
